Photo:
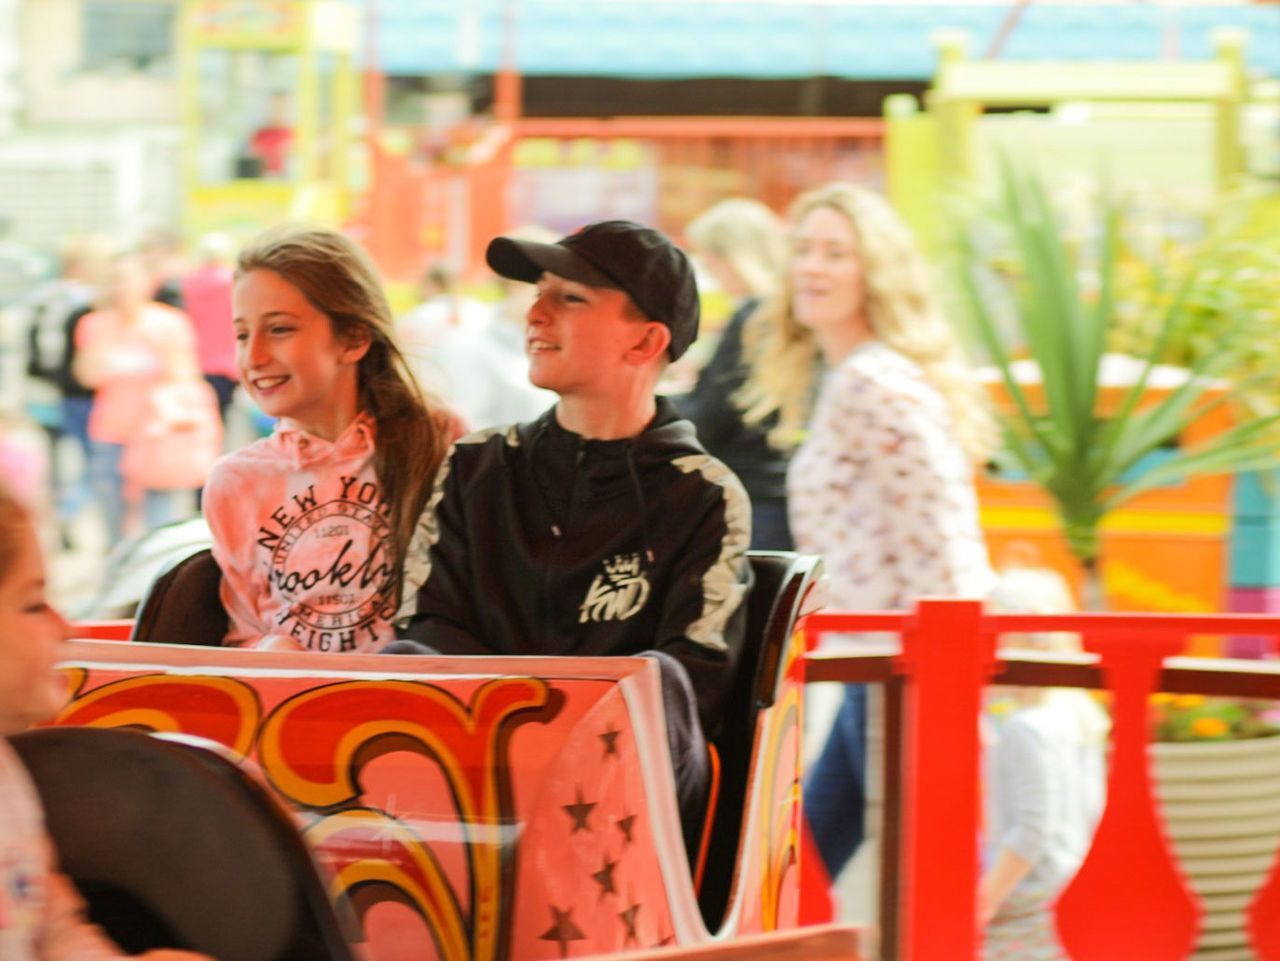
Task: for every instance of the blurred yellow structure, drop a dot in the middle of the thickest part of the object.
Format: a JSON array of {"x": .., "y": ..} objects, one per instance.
[
  {"x": 1171, "y": 125},
  {"x": 270, "y": 102}
]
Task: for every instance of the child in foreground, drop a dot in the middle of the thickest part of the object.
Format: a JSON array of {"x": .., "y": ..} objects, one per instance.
[{"x": 41, "y": 915}]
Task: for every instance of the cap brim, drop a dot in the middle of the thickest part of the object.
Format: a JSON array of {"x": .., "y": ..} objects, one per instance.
[{"x": 527, "y": 260}]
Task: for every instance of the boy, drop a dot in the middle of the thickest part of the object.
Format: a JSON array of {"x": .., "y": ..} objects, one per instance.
[{"x": 603, "y": 527}]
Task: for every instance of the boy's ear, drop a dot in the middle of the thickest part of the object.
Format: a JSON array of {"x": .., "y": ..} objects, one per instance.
[
  {"x": 357, "y": 345},
  {"x": 654, "y": 343}
]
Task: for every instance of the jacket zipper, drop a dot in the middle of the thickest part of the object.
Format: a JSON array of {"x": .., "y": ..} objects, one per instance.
[{"x": 558, "y": 529}]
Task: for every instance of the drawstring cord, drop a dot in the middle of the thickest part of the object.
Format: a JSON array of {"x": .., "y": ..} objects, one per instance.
[
  {"x": 639, "y": 492},
  {"x": 556, "y": 530},
  {"x": 632, "y": 472}
]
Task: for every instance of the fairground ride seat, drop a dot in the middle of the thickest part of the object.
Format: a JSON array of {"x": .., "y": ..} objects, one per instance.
[
  {"x": 174, "y": 845},
  {"x": 182, "y": 604},
  {"x": 782, "y": 581}
]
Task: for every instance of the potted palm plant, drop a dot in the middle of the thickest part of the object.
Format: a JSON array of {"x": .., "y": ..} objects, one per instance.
[{"x": 1045, "y": 302}]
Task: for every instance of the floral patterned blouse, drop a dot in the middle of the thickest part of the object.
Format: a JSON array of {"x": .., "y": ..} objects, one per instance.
[{"x": 883, "y": 491}]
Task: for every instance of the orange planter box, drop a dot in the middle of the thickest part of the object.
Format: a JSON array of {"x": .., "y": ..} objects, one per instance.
[{"x": 1165, "y": 550}]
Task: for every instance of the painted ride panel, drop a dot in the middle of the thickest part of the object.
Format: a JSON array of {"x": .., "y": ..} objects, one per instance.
[{"x": 472, "y": 808}]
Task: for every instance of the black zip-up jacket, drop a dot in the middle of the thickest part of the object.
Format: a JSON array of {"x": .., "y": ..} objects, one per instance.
[{"x": 538, "y": 541}]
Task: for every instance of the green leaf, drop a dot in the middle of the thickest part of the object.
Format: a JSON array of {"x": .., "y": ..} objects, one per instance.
[
  {"x": 1245, "y": 447},
  {"x": 988, "y": 330},
  {"x": 1138, "y": 390}
]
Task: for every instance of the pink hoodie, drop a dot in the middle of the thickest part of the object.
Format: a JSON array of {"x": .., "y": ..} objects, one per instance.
[{"x": 304, "y": 541}]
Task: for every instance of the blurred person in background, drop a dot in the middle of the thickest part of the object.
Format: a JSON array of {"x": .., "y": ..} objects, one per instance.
[
  {"x": 443, "y": 311},
  {"x": 481, "y": 366},
  {"x": 24, "y": 464},
  {"x": 741, "y": 242},
  {"x": 882, "y": 485},
  {"x": 206, "y": 291},
  {"x": 21, "y": 266},
  {"x": 126, "y": 349},
  {"x": 160, "y": 249},
  {"x": 54, "y": 397},
  {"x": 1044, "y": 783},
  {"x": 270, "y": 146}
]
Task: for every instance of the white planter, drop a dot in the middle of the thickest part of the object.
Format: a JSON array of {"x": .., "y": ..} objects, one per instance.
[{"x": 1221, "y": 805}]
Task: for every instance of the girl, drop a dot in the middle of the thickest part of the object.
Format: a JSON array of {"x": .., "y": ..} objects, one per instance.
[
  {"x": 311, "y": 523},
  {"x": 1045, "y": 778},
  {"x": 882, "y": 486},
  {"x": 41, "y": 917}
]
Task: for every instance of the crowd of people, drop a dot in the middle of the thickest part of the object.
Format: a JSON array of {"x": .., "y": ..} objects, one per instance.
[
  {"x": 130, "y": 370},
  {"x": 542, "y": 495}
]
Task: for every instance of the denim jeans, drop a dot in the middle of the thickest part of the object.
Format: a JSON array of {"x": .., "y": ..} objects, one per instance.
[
  {"x": 108, "y": 486},
  {"x": 835, "y": 791},
  {"x": 770, "y": 530},
  {"x": 74, "y": 490}
]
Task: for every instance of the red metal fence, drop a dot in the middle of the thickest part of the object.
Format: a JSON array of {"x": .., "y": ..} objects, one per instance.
[{"x": 1129, "y": 901}]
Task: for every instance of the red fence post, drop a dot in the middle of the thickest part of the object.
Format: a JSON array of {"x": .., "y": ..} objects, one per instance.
[
  {"x": 1129, "y": 901},
  {"x": 946, "y": 658}
]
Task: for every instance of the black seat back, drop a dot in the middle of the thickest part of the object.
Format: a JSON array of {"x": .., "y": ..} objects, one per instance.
[
  {"x": 174, "y": 845},
  {"x": 182, "y": 605},
  {"x": 782, "y": 579}
]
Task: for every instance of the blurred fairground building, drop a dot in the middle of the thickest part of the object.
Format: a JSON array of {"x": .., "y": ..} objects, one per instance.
[{"x": 427, "y": 126}]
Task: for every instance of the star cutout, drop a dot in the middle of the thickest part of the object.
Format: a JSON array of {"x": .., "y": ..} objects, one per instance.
[
  {"x": 667, "y": 939},
  {"x": 580, "y": 810},
  {"x": 604, "y": 877},
  {"x": 629, "y": 921},
  {"x": 625, "y": 825},
  {"x": 563, "y": 930},
  {"x": 610, "y": 739}
]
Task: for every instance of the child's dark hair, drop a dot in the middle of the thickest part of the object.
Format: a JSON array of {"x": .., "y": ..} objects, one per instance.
[{"x": 338, "y": 278}]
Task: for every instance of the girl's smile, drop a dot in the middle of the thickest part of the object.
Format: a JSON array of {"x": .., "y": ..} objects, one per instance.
[{"x": 289, "y": 358}]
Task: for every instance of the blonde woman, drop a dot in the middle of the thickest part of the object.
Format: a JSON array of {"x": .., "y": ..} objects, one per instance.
[
  {"x": 882, "y": 486},
  {"x": 741, "y": 242}
]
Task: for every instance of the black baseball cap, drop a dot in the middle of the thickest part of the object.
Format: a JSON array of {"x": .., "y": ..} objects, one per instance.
[{"x": 637, "y": 260}]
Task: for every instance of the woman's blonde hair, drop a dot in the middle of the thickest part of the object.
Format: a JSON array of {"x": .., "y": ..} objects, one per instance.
[
  {"x": 340, "y": 281},
  {"x": 748, "y": 235},
  {"x": 782, "y": 356}
]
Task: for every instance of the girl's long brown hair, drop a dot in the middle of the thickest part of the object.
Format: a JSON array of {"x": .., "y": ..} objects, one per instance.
[{"x": 339, "y": 280}]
